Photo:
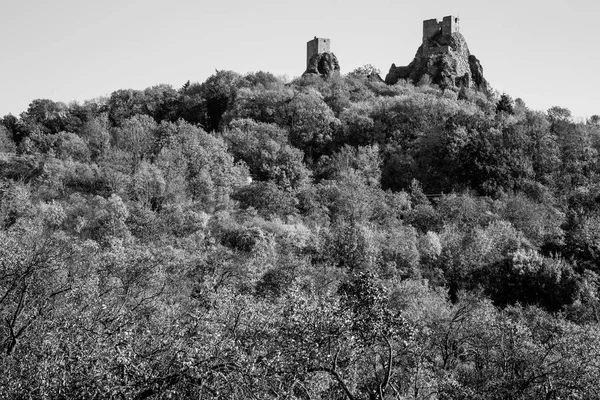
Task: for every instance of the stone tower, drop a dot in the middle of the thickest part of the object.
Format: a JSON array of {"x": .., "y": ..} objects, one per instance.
[
  {"x": 450, "y": 25},
  {"x": 434, "y": 30},
  {"x": 316, "y": 46},
  {"x": 447, "y": 26}
]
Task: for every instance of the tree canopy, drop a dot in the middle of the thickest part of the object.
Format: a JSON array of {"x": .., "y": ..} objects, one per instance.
[{"x": 324, "y": 238}]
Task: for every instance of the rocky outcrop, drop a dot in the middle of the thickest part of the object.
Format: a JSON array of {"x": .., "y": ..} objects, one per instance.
[
  {"x": 323, "y": 64},
  {"x": 446, "y": 61},
  {"x": 477, "y": 73}
]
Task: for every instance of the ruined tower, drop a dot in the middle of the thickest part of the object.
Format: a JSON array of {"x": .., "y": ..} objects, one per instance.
[
  {"x": 433, "y": 29},
  {"x": 316, "y": 46},
  {"x": 447, "y": 26},
  {"x": 444, "y": 57},
  {"x": 450, "y": 25}
]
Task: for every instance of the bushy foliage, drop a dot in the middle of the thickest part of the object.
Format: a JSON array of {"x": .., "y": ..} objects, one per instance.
[{"x": 326, "y": 238}]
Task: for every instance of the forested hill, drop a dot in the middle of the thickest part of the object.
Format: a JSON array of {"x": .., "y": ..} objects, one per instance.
[{"x": 339, "y": 238}]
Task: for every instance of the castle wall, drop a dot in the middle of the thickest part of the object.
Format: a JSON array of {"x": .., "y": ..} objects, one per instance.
[
  {"x": 449, "y": 25},
  {"x": 430, "y": 28},
  {"x": 317, "y": 46}
]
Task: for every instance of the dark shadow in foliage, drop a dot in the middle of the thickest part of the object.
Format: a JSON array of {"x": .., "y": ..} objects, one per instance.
[
  {"x": 242, "y": 238},
  {"x": 192, "y": 106},
  {"x": 20, "y": 168},
  {"x": 219, "y": 91},
  {"x": 495, "y": 161},
  {"x": 15, "y": 129},
  {"x": 267, "y": 198},
  {"x": 530, "y": 279},
  {"x": 52, "y": 117},
  {"x": 274, "y": 282}
]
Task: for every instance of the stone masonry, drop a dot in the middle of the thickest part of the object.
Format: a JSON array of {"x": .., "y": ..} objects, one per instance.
[
  {"x": 316, "y": 46},
  {"x": 433, "y": 29},
  {"x": 320, "y": 60},
  {"x": 444, "y": 57}
]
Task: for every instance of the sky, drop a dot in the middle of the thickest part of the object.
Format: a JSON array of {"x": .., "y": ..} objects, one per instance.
[{"x": 542, "y": 51}]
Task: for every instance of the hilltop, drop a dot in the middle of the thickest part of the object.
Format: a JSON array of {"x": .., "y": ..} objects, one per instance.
[
  {"x": 443, "y": 59},
  {"x": 334, "y": 236}
]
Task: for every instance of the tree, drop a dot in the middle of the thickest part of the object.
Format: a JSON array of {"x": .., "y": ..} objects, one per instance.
[
  {"x": 310, "y": 123},
  {"x": 219, "y": 91},
  {"x": 594, "y": 120},
  {"x": 358, "y": 127},
  {"x": 366, "y": 70},
  {"x": 32, "y": 280},
  {"x": 260, "y": 79},
  {"x": 267, "y": 198},
  {"x": 148, "y": 185},
  {"x": 100, "y": 219},
  {"x": 531, "y": 279},
  {"x": 210, "y": 172},
  {"x": 137, "y": 136},
  {"x": 320, "y": 349},
  {"x": 192, "y": 106},
  {"x": 559, "y": 114},
  {"x": 160, "y": 102},
  {"x": 6, "y": 143},
  {"x": 505, "y": 104},
  {"x": 494, "y": 161},
  {"x": 50, "y": 116},
  {"x": 97, "y": 136},
  {"x": 529, "y": 354},
  {"x": 264, "y": 148},
  {"x": 362, "y": 163},
  {"x": 260, "y": 105},
  {"x": 540, "y": 223},
  {"x": 124, "y": 104},
  {"x": 14, "y": 128},
  {"x": 545, "y": 148},
  {"x": 72, "y": 147}
]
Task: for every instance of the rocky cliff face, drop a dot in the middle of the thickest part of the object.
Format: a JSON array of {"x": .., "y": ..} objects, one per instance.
[
  {"x": 323, "y": 64},
  {"x": 446, "y": 60}
]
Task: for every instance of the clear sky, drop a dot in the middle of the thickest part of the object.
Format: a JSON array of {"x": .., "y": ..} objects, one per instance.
[{"x": 545, "y": 52}]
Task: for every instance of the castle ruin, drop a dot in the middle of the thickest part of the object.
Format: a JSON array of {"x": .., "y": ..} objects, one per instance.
[
  {"x": 316, "y": 46},
  {"x": 443, "y": 57},
  {"x": 319, "y": 58},
  {"x": 433, "y": 29}
]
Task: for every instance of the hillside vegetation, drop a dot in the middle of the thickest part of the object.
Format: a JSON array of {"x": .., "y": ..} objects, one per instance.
[{"x": 247, "y": 238}]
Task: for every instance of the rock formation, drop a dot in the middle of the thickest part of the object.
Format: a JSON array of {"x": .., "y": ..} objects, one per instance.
[
  {"x": 444, "y": 58},
  {"x": 323, "y": 64}
]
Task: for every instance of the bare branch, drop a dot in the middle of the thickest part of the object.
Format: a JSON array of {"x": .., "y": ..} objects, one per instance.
[
  {"x": 388, "y": 373},
  {"x": 337, "y": 377}
]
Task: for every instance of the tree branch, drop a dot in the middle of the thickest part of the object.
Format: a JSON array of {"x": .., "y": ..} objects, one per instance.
[
  {"x": 337, "y": 377},
  {"x": 388, "y": 372}
]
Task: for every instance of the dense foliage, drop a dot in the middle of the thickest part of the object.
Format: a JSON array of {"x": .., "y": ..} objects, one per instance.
[{"x": 247, "y": 238}]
